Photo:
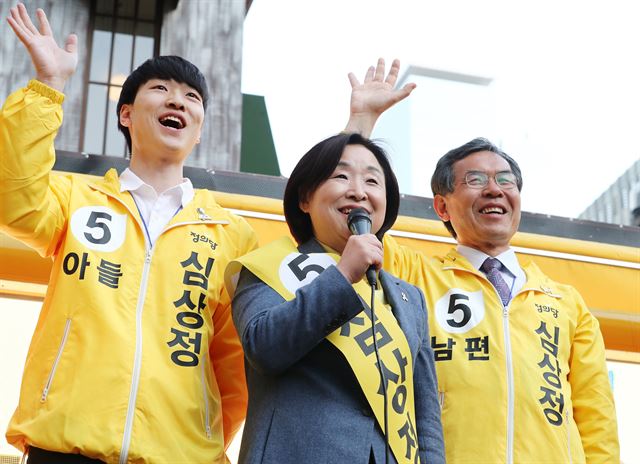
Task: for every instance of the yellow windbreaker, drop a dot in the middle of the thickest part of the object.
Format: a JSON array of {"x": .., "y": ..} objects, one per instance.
[
  {"x": 522, "y": 384},
  {"x": 135, "y": 357}
]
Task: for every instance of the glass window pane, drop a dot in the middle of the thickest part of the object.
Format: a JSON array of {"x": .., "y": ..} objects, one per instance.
[
  {"x": 147, "y": 9},
  {"x": 115, "y": 139},
  {"x": 100, "y": 51},
  {"x": 126, "y": 8},
  {"x": 104, "y": 7},
  {"x": 144, "y": 43},
  {"x": 94, "y": 121},
  {"x": 122, "y": 51}
]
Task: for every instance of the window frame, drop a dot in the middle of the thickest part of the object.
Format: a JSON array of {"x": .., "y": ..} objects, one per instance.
[{"x": 87, "y": 82}]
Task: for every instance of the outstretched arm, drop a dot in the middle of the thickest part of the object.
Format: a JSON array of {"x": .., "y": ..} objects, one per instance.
[
  {"x": 374, "y": 96},
  {"x": 53, "y": 64},
  {"x": 32, "y": 203}
]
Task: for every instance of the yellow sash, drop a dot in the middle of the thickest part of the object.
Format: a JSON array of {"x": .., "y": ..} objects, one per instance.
[{"x": 281, "y": 266}]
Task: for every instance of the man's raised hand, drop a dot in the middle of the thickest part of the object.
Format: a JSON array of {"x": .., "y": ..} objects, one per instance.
[
  {"x": 374, "y": 96},
  {"x": 53, "y": 64}
]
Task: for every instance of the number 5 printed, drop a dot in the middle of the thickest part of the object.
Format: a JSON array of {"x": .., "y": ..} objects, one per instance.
[
  {"x": 459, "y": 311},
  {"x": 299, "y": 269},
  {"x": 100, "y": 221},
  {"x": 99, "y": 228}
]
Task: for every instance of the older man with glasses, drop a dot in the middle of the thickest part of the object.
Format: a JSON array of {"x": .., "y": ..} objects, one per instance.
[{"x": 520, "y": 359}]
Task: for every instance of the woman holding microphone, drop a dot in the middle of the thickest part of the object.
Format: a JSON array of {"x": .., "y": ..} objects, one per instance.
[{"x": 320, "y": 390}]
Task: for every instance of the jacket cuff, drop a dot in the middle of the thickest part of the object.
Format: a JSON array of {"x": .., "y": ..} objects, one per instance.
[{"x": 46, "y": 91}]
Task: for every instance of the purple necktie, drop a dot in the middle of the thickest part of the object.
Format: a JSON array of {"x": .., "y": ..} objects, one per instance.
[{"x": 491, "y": 267}]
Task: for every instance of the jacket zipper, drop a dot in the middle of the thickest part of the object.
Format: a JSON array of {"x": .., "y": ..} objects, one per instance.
[
  {"x": 63, "y": 342},
  {"x": 509, "y": 365},
  {"x": 508, "y": 362},
  {"x": 568, "y": 425},
  {"x": 135, "y": 376},
  {"x": 207, "y": 424},
  {"x": 137, "y": 360}
]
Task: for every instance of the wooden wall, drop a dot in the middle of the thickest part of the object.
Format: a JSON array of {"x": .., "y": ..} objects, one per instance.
[
  {"x": 209, "y": 34},
  {"x": 206, "y": 32}
]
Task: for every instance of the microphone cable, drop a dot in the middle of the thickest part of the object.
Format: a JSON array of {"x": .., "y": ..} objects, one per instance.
[{"x": 382, "y": 376}]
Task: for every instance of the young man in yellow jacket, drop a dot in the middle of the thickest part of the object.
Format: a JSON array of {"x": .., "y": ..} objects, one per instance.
[
  {"x": 520, "y": 359},
  {"x": 135, "y": 357}
]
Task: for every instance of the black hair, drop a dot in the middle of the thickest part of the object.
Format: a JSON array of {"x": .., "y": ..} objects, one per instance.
[
  {"x": 161, "y": 67},
  {"x": 316, "y": 166},
  {"x": 443, "y": 179}
]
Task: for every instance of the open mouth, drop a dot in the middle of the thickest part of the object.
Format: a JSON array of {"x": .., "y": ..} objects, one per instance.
[
  {"x": 172, "y": 121},
  {"x": 493, "y": 210}
]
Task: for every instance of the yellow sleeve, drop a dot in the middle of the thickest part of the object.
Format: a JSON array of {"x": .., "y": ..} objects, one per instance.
[
  {"x": 593, "y": 407},
  {"x": 31, "y": 201},
  {"x": 404, "y": 262},
  {"x": 226, "y": 354}
]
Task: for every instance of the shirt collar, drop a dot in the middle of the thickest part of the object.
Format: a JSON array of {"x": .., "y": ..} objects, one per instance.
[
  {"x": 476, "y": 258},
  {"x": 129, "y": 181}
]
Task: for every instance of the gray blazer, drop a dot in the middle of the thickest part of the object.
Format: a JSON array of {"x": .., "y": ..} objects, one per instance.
[{"x": 305, "y": 403}]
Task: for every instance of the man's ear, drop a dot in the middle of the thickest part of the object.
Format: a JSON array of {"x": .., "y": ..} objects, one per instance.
[
  {"x": 440, "y": 207},
  {"x": 125, "y": 115}
]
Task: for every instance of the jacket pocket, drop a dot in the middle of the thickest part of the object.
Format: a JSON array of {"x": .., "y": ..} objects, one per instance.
[
  {"x": 575, "y": 451},
  {"x": 205, "y": 397},
  {"x": 568, "y": 421},
  {"x": 52, "y": 372}
]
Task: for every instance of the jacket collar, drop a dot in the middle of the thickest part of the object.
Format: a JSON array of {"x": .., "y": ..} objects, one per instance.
[
  {"x": 203, "y": 207},
  {"x": 536, "y": 280}
]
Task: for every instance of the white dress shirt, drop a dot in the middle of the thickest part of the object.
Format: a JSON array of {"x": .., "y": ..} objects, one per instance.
[
  {"x": 511, "y": 271},
  {"x": 156, "y": 210}
]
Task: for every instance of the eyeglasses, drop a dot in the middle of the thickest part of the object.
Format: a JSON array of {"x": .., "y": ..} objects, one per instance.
[{"x": 479, "y": 179}]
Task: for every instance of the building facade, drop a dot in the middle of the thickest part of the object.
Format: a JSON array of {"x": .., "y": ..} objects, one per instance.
[
  {"x": 620, "y": 203},
  {"x": 115, "y": 36}
]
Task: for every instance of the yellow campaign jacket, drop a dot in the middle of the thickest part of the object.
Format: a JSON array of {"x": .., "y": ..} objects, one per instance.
[
  {"x": 526, "y": 383},
  {"x": 134, "y": 357}
]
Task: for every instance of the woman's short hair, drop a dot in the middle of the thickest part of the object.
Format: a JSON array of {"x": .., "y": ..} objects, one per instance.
[{"x": 316, "y": 166}]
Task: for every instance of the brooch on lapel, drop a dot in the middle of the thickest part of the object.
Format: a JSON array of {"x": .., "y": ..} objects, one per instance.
[
  {"x": 404, "y": 296},
  {"x": 202, "y": 215},
  {"x": 549, "y": 291}
]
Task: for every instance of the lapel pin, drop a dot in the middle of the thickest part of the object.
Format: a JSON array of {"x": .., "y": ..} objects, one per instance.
[
  {"x": 202, "y": 215},
  {"x": 404, "y": 296}
]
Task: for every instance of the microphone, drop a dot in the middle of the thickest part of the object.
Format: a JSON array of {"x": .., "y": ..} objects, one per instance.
[{"x": 359, "y": 223}]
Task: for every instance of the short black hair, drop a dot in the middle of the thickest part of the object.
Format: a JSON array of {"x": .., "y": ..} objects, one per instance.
[
  {"x": 316, "y": 166},
  {"x": 443, "y": 179},
  {"x": 161, "y": 67}
]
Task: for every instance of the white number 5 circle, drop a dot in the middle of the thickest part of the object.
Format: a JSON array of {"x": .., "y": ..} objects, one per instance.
[
  {"x": 297, "y": 269},
  {"x": 459, "y": 311},
  {"x": 99, "y": 228}
]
